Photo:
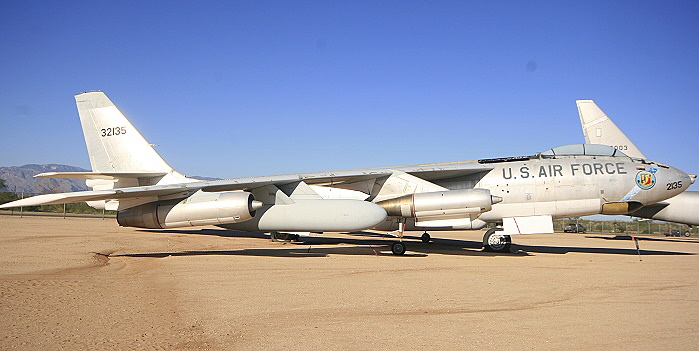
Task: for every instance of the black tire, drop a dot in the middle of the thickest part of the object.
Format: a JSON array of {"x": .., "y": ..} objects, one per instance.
[
  {"x": 425, "y": 237},
  {"x": 496, "y": 242},
  {"x": 398, "y": 248},
  {"x": 687, "y": 234}
]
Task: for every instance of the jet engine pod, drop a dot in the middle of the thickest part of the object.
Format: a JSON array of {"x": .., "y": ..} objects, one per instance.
[
  {"x": 441, "y": 204},
  {"x": 227, "y": 207}
]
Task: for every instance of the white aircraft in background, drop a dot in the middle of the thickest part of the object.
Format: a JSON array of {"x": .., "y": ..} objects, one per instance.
[
  {"x": 520, "y": 194},
  {"x": 599, "y": 129}
]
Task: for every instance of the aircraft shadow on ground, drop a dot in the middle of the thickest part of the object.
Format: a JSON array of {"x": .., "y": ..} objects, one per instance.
[
  {"x": 373, "y": 244},
  {"x": 642, "y": 238},
  {"x": 215, "y": 232}
]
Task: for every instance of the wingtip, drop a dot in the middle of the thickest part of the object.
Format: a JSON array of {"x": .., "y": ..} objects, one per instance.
[
  {"x": 6, "y": 205},
  {"x": 44, "y": 175}
]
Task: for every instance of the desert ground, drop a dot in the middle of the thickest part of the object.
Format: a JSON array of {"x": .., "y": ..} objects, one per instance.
[{"x": 88, "y": 284}]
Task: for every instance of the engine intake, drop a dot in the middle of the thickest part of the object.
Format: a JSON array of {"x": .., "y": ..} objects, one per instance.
[
  {"x": 228, "y": 207},
  {"x": 441, "y": 204}
]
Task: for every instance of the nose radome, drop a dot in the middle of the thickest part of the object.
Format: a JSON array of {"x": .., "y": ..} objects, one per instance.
[
  {"x": 680, "y": 180},
  {"x": 687, "y": 177}
]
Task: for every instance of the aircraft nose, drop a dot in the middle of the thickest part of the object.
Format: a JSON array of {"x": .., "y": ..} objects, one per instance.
[
  {"x": 678, "y": 181},
  {"x": 663, "y": 182}
]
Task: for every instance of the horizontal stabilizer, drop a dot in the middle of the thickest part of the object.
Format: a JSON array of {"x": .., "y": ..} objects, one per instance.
[{"x": 100, "y": 175}]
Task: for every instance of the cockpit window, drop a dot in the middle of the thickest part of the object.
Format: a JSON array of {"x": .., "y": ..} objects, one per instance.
[
  {"x": 582, "y": 149},
  {"x": 601, "y": 150}
]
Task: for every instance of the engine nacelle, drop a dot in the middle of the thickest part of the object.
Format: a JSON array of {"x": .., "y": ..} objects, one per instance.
[
  {"x": 441, "y": 204},
  {"x": 226, "y": 208}
]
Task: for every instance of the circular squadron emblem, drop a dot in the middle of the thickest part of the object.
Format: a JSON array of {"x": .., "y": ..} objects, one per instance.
[{"x": 645, "y": 180}]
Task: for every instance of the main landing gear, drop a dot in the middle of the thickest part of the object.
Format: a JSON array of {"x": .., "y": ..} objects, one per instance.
[
  {"x": 496, "y": 242},
  {"x": 398, "y": 248},
  {"x": 493, "y": 241}
]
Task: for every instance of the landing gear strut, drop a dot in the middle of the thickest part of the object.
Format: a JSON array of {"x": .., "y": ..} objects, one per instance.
[
  {"x": 496, "y": 242},
  {"x": 398, "y": 248},
  {"x": 425, "y": 237}
]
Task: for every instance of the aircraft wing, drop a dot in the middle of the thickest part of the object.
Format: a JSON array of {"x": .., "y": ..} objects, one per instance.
[
  {"x": 96, "y": 195},
  {"x": 434, "y": 171},
  {"x": 428, "y": 172}
]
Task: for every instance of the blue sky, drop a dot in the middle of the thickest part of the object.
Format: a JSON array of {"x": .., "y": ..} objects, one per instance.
[{"x": 232, "y": 89}]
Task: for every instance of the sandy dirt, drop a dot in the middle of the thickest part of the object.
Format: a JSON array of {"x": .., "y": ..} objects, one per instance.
[{"x": 78, "y": 283}]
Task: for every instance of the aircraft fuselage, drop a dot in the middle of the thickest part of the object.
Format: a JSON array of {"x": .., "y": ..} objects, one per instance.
[{"x": 566, "y": 186}]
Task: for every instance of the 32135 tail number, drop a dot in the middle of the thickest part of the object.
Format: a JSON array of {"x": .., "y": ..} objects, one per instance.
[{"x": 113, "y": 131}]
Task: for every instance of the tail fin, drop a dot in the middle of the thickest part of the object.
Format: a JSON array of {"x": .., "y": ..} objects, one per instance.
[
  {"x": 599, "y": 129},
  {"x": 113, "y": 144}
]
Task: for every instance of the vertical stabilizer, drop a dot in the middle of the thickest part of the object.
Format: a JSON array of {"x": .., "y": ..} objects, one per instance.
[
  {"x": 113, "y": 144},
  {"x": 599, "y": 129}
]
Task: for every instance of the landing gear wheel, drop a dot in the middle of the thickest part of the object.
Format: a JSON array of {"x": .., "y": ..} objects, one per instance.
[
  {"x": 398, "y": 248},
  {"x": 496, "y": 242},
  {"x": 425, "y": 237}
]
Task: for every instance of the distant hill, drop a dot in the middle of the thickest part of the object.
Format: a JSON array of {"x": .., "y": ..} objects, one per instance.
[{"x": 21, "y": 179}]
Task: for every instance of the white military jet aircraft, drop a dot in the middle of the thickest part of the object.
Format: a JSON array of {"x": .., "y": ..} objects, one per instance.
[
  {"x": 599, "y": 129},
  {"x": 520, "y": 194}
]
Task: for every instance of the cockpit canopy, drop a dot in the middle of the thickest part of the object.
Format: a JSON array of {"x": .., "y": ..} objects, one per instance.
[
  {"x": 567, "y": 150},
  {"x": 582, "y": 149}
]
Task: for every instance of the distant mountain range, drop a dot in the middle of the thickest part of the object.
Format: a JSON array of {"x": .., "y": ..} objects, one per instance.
[{"x": 20, "y": 179}]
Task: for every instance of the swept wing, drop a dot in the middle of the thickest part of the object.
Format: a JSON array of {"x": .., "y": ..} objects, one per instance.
[{"x": 436, "y": 171}]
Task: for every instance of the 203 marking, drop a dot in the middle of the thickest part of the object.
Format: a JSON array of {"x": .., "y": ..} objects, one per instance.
[{"x": 113, "y": 131}]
